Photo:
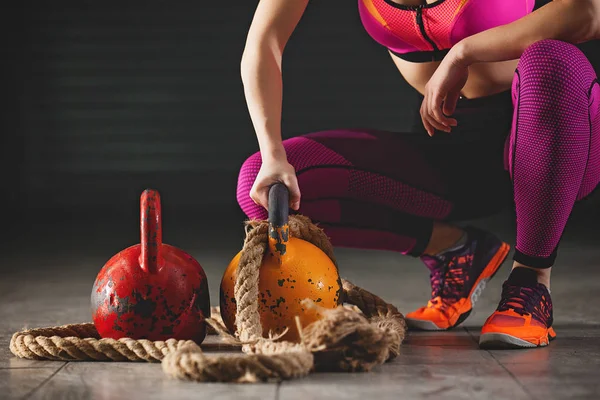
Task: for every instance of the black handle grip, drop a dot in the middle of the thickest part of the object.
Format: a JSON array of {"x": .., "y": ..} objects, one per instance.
[{"x": 279, "y": 205}]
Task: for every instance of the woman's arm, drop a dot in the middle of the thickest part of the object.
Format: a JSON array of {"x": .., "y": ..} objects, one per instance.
[
  {"x": 573, "y": 21},
  {"x": 272, "y": 25}
]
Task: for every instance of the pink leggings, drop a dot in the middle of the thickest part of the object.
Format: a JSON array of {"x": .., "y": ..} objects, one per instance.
[{"x": 383, "y": 190}]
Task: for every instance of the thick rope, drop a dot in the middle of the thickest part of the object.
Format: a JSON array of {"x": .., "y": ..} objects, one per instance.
[
  {"x": 190, "y": 363},
  {"x": 245, "y": 291},
  {"x": 216, "y": 323},
  {"x": 81, "y": 342},
  {"x": 383, "y": 315},
  {"x": 268, "y": 359},
  {"x": 342, "y": 340}
]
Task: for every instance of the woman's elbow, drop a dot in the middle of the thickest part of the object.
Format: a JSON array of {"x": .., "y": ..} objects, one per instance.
[
  {"x": 259, "y": 58},
  {"x": 244, "y": 66},
  {"x": 250, "y": 61}
]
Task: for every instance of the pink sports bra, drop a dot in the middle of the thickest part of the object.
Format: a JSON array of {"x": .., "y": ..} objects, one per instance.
[{"x": 426, "y": 32}]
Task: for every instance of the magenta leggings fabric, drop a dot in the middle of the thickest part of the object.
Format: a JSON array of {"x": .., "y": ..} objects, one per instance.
[
  {"x": 536, "y": 149},
  {"x": 554, "y": 149}
]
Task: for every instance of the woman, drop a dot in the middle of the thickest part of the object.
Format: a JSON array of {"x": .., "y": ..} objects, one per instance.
[{"x": 510, "y": 111}]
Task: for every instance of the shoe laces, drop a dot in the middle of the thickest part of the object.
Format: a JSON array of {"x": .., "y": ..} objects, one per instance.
[
  {"x": 521, "y": 299},
  {"x": 448, "y": 280}
]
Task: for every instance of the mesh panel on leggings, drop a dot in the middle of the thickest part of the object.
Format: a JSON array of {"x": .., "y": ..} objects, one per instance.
[
  {"x": 551, "y": 140},
  {"x": 246, "y": 179},
  {"x": 393, "y": 193},
  {"x": 592, "y": 172},
  {"x": 386, "y": 212},
  {"x": 301, "y": 153}
]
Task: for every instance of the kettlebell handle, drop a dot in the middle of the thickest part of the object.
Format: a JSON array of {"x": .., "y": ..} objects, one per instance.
[
  {"x": 279, "y": 208},
  {"x": 151, "y": 231},
  {"x": 279, "y": 200}
]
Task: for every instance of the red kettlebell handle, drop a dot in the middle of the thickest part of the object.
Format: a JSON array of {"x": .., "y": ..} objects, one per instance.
[{"x": 151, "y": 231}]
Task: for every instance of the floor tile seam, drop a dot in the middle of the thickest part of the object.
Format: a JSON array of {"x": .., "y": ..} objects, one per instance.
[
  {"x": 32, "y": 392},
  {"x": 513, "y": 377}
]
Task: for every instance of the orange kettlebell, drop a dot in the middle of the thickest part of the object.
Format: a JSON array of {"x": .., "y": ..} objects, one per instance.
[{"x": 291, "y": 271}]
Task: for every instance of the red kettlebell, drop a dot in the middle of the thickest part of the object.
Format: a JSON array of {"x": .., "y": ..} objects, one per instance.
[{"x": 151, "y": 290}]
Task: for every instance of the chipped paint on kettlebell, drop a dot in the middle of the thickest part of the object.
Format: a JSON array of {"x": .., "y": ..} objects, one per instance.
[
  {"x": 151, "y": 290},
  {"x": 307, "y": 272},
  {"x": 278, "y": 238}
]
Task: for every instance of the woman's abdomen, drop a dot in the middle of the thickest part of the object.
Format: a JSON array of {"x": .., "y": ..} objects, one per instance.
[{"x": 484, "y": 78}]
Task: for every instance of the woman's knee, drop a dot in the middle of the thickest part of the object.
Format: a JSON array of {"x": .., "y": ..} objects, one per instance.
[
  {"x": 246, "y": 177},
  {"x": 554, "y": 71},
  {"x": 551, "y": 91},
  {"x": 302, "y": 153},
  {"x": 307, "y": 155}
]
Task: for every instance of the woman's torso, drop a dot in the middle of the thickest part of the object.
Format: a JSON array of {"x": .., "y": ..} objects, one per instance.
[{"x": 419, "y": 34}]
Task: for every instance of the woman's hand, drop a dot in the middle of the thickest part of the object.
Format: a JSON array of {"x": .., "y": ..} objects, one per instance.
[
  {"x": 442, "y": 92},
  {"x": 273, "y": 171}
]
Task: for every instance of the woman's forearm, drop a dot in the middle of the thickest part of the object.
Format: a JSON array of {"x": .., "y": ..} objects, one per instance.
[
  {"x": 572, "y": 21},
  {"x": 263, "y": 87},
  {"x": 273, "y": 23}
]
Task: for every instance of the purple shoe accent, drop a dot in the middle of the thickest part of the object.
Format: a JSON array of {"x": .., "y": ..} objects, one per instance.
[
  {"x": 453, "y": 273},
  {"x": 523, "y": 294}
]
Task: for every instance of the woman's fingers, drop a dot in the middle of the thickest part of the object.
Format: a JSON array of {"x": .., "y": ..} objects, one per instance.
[
  {"x": 437, "y": 125},
  {"x": 430, "y": 123},
  {"x": 430, "y": 129},
  {"x": 291, "y": 182},
  {"x": 260, "y": 195},
  {"x": 429, "y": 120},
  {"x": 271, "y": 173},
  {"x": 424, "y": 118},
  {"x": 450, "y": 104},
  {"x": 435, "y": 112}
]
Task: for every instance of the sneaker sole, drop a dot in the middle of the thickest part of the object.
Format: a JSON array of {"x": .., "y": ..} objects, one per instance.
[
  {"x": 503, "y": 341},
  {"x": 488, "y": 273},
  {"x": 495, "y": 340},
  {"x": 422, "y": 325}
]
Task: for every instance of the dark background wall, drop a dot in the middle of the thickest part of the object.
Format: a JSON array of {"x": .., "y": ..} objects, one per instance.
[{"x": 103, "y": 99}]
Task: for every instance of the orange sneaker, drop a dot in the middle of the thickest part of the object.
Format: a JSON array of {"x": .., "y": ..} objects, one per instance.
[
  {"x": 458, "y": 277},
  {"x": 523, "y": 318}
]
